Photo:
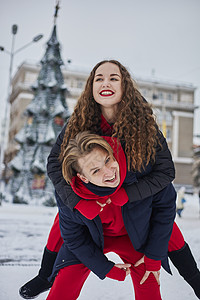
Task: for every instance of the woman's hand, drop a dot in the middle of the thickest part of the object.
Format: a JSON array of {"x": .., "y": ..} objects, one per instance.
[
  {"x": 108, "y": 201},
  {"x": 124, "y": 267},
  {"x": 147, "y": 273}
]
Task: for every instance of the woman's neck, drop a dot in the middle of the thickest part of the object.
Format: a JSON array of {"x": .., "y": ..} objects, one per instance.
[{"x": 109, "y": 113}]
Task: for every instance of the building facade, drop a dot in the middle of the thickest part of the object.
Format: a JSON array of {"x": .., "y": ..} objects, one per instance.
[{"x": 173, "y": 105}]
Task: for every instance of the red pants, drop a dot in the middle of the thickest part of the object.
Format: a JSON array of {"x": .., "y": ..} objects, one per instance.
[
  {"x": 55, "y": 240},
  {"x": 70, "y": 280}
]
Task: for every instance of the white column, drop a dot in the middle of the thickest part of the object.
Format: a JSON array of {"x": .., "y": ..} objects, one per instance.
[
  {"x": 175, "y": 134},
  {"x": 175, "y": 141}
]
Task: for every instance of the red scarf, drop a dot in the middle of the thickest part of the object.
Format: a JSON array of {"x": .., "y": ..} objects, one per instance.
[{"x": 91, "y": 209}]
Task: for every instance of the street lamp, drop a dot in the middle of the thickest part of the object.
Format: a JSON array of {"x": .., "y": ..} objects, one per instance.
[{"x": 5, "y": 123}]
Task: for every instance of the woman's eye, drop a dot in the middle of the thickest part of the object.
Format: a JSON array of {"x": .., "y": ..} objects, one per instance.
[
  {"x": 114, "y": 79},
  {"x": 98, "y": 79}
]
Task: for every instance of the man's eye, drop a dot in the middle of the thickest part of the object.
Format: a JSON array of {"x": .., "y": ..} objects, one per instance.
[
  {"x": 107, "y": 160},
  {"x": 96, "y": 171}
]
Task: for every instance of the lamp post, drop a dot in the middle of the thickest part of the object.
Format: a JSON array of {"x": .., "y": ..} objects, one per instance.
[{"x": 5, "y": 123}]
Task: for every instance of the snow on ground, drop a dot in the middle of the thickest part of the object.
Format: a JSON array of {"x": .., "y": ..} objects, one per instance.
[{"x": 23, "y": 233}]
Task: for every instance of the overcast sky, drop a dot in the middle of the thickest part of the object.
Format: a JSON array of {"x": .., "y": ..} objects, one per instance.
[{"x": 143, "y": 35}]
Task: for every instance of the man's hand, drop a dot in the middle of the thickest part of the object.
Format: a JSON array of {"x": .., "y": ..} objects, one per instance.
[
  {"x": 125, "y": 267},
  {"x": 147, "y": 273}
]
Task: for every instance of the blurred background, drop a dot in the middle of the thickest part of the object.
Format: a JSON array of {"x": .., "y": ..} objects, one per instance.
[{"x": 156, "y": 40}]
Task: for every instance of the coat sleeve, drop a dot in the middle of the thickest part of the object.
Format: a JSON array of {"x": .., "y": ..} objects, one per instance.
[
  {"x": 78, "y": 240},
  {"x": 162, "y": 173},
  {"x": 161, "y": 223},
  {"x": 54, "y": 171}
]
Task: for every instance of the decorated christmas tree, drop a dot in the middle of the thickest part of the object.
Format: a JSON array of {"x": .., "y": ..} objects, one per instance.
[{"x": 46, "y": 115}]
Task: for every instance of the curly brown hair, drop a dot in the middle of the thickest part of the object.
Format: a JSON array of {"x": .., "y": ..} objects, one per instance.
[{"x": 135, "y": 123}]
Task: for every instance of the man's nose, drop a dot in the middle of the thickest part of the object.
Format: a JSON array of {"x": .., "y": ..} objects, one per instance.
[{"x": 108, "y": 171}]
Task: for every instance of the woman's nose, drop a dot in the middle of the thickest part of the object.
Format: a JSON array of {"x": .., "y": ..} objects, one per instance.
[{"x": 106, "y": 82}]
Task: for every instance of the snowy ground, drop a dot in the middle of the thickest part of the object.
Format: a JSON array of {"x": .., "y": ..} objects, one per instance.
[{"x": 23, "y": 233}]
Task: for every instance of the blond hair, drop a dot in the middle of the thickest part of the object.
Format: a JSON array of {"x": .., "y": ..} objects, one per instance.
[{"x": 78, "y": 147}]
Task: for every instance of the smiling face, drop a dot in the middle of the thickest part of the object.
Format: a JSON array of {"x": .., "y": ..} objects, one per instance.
[
  {"x": 99, "y": 168},
  {"x": 107, "y": 90}
]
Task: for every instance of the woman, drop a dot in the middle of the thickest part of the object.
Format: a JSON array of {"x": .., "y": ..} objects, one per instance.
[
  {"x": 111, "y": 105},
  {"x": 121, "y": 227}
]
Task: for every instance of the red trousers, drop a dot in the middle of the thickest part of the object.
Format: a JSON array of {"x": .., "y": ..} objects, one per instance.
[
  {"x": 55, "y": 240},
  {"x": 70, "y": 280},
  {"x": 76, "y": 275}
]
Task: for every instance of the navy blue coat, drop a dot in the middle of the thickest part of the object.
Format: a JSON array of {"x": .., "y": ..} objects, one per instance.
[
  {"x": 149, "y": 229},
  {"x": 148, "y": 223}
]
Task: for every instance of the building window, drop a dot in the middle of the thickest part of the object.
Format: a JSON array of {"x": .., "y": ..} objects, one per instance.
[
  {"x": 79, "y": 84},
  {"x": 72, "y": 83},
  {"x": 169, "y": 117},
  {"x": 30, "y": 77},
  {"x": 158, "y": 114},
  {"x": 168, "y": 134},
  {"x": 144, "y": 92},
  {"x": 160, "y": 96},
  {"x": 170, "y": 97},
  {"x": 186, "y": 97}
]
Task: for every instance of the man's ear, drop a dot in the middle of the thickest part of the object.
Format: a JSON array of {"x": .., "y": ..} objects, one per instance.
[{"x": 83, "y": 178}]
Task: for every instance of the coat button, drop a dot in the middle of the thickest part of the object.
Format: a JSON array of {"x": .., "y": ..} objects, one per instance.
[{"x": 63, "y": 260}]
